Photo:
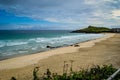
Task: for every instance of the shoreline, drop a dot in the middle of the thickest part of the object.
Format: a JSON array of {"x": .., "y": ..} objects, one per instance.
[
  {"x": 31, "y": 59},
  {"x": 20, "y": 52}
]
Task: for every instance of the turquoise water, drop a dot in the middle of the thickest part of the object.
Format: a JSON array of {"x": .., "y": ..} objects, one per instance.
[{"x": 16, "y": 43}]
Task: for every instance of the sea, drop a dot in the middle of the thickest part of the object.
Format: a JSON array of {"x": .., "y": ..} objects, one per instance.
[{"x": 15, "y": 43}]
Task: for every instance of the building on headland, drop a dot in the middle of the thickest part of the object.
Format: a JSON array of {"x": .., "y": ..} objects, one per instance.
[{"x": 115, "y": 30}]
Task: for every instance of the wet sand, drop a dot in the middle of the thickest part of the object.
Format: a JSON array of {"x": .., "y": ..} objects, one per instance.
[{"x": 95, "y": 52}]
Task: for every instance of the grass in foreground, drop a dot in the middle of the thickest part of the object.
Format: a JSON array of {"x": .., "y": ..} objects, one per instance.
[{"x": 94, "y": 73}]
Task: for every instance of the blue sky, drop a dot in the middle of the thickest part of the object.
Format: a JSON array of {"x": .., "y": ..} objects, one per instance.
[{"x": 58, "y": 14}]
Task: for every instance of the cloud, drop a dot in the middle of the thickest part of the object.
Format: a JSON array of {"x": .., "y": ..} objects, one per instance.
[
  {"x": 116, "y": 13},
  {"x": 73, "y": 12}
]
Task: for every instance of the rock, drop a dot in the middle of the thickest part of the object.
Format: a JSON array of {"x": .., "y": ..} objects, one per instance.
[
  {"x": 76, "y": 45},
  {"x": 49, "y": 47}
]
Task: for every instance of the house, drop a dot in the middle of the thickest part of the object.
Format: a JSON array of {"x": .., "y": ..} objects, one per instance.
[{"x": 115, "y": 30}]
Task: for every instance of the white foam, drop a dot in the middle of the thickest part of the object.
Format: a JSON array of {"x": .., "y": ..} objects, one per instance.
[
  {"x": 40, "y": 43},
  {"x": 14, "y": 43},
  {"x": 66, "y": 39},
  {"x": 2, "y": 43},
  {"x": 23, "y": 51}
]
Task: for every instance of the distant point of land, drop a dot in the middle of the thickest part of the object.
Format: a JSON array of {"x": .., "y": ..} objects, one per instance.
[{"x": 94, "y": 29}]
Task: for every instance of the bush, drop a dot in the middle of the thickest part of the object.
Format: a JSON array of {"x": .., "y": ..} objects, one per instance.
[{"x": 94, "y": 73}]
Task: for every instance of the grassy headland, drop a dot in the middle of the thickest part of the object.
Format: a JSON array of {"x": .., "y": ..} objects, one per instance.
[{"x": 93, "y": 29}]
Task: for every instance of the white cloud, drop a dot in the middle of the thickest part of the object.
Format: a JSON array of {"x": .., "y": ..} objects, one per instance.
[
  {"x": 116, "y": 13},
  {"x": 90, "y": 2},
  {"x": 24, "y": 27},
  {"x": 76, "y": 12},
  {"x": 63, "y": 20}
]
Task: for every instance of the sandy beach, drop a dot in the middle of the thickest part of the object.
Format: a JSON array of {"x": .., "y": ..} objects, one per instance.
[{"x": 95, "y": 52}]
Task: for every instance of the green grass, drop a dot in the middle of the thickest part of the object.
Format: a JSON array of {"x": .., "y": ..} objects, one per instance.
[
  {"x": 95, "y": 73},
  {"x": 93, "y": 29}
]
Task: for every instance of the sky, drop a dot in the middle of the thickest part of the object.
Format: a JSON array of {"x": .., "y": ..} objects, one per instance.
[{"x": 58, "y": 14}]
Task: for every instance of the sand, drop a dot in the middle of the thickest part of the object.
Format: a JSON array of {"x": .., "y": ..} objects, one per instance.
[{"x": 100, "y": 51}]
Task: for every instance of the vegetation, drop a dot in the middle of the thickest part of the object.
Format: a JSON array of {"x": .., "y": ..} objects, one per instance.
[
  {"x": 94, "y": 73},
  {"x": 93, "y": 29}
]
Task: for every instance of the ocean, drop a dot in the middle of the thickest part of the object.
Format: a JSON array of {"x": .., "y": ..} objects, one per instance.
[{"x": 23, "y": 42}]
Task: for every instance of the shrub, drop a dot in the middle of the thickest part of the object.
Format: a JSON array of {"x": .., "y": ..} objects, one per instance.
[{"x": 95, "y": 73}]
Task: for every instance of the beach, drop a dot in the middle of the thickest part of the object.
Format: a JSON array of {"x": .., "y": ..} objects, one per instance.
[{"x": 100, "y": 51}]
